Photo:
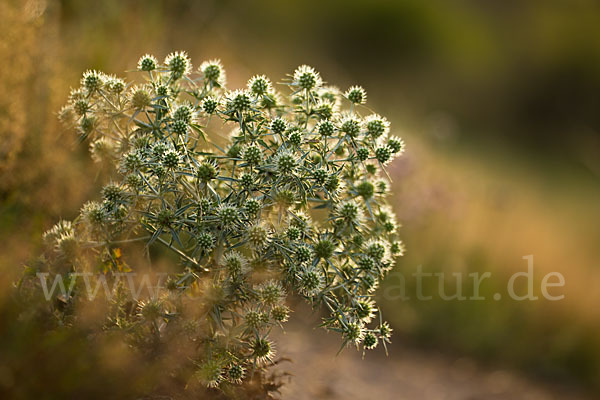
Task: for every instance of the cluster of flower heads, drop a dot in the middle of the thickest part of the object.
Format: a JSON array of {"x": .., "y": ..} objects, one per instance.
[{"x": 293, "y": 202}]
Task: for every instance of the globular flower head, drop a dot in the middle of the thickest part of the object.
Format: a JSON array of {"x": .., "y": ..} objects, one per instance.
[
  {"x": 184, "y": 112},
  {"x": 239, "y": 100},
  {"x": 140, "y": 98},
  {"x": 94, "y": 214},
  {"x": 147, "y": 63},
  {"x": 365, "y": 310},
  {"x": 306, "y": 77},
  {"x": 252, "y": 154},
  {"x": 255, "y": 319},
  {"x": 353, "y": 331},
  {"x": 258, "y": 235},
  {"x": 362, "y": 153},
  {"x": 350, "y": 212},
  {"x": 209, "y": 373},
  {"x": 260, "y": 85},
  {"x": 356, "y": 94},
  {"x": 303, "y": 253},
  {"x": 295, "y": 137},
  {"x": 252, "y": 207},
  {"x": 206, "y": 241},
  {"x": 235, "y": 263},
  {"x": 385, "y": 332},
  {"x": 376, "y": 125},
  {"x": 228, "y": 214},
  {"x": 171, "y": 159},
  {"x": 236, "y": 373},
  {"x": 383, "y": 154},
  {"x": 280, "y": 313},
  {"x": 179, "y": 64},
  {"x": 92, "y": 80},
  {"x": 397, "y": 248},
  {"x": 324, "y": 109},
  {"x": 396, "y": 144},
  {"x": 350, "y": 125},
  {"x": 286, "y": 162},
  {"x": 213, "y": 73},
  {"x": 207, "y": 171},
  {"x": 311, "y": 282},
  {"x": 278, "y": 125},
  {"x": 270, "y": 292},
  {"x": 247, "y": 180},
  {"x": 115, "y": 85},
  {"x": 150, "y": 310},
  {"x": 365, "y": 189},
  {"x": 180, "y": 127},
  {"x": 324, "y": 248},
  {"x": 370, "y": 341},
  {"x": 320, "y": 176},
  {"x": 210, "y": 105},
  {"x": 325, "y": 128},
  {"x": 263, "y": 350}
]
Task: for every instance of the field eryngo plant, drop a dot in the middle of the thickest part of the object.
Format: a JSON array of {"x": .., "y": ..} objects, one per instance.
[{"x": 292, "y": 202}]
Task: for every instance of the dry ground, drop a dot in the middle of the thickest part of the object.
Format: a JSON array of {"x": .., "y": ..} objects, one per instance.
[{"x": 407, "y": 374}]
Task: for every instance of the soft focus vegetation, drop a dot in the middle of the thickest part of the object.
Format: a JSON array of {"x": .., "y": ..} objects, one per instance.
[{"x": 497, "y": 101}]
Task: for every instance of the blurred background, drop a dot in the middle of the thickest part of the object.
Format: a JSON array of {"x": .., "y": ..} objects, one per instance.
[{"x": 498, "y": 102}]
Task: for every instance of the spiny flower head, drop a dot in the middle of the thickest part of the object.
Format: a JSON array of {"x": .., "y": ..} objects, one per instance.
[
  {"x": 263, "y": 350},
  {"x": 356, "y": 94},
  {"x": 179, "y": 64},
  {"x": 350, "y": 124},
  {"x": 92, "y": 80},
  {"x": 376, "y": 125},
  {"x": 396, "y": 144},
  {"x": 306, "y": 77},
  {"x": 260, "y": 85},
  {"x": 147, "y": 63},
  {"x": 235, "y": 263},
  {"x": 140, "y": 97},
  {"x": 286, "y": 162},
  {"x": 239, "y": 100},
  {"x": 213, "y": 72}
]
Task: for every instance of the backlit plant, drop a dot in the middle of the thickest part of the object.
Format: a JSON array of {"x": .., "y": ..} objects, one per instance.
[{"x": 293, "y": 201}]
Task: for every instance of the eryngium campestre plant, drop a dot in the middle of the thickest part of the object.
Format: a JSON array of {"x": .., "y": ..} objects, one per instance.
[{"x": 293, "y": 202}]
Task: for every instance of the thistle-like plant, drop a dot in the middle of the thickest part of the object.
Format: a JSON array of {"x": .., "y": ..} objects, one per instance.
[{"x": 293, "y": 201}]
